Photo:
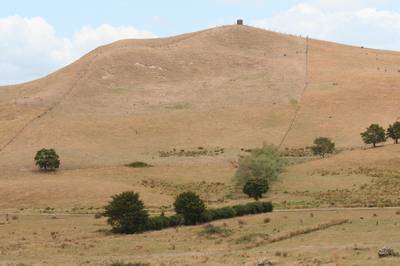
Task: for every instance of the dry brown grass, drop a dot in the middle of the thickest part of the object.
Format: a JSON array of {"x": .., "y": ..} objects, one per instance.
[
  {"x": 229, "y": 87},
  {"x": 77, "y": 239}
]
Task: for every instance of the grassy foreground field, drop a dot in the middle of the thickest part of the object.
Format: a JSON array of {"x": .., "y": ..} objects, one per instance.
[{"x": 280, "y": 236}]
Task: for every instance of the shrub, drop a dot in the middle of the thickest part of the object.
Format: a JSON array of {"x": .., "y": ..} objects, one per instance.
[
  {"x": 393, "y": 132},
  {"x": 47, "y": 159},
  {"x": 221, "y": 213},
  {"x": 139, "y": 165},
  {"x": 256, "y": 187},
  {"x": 163, "y": 222},
  {"x": 265, "y": 163},
  {"x": 238, "y": 210},
  {"x": 191, "y": 207},
  {"x": 126, "y": 213},
  {"x": 373, "y": 135},
  {"x": 323, "y": 146}
]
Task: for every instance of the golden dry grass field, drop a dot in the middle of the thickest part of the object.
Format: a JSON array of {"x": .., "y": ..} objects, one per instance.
[{"x": 222, "y": 91}]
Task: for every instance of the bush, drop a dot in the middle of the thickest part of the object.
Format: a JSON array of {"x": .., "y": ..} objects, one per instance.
[
  {"x": 163, "y": 222},
  {"x": 221, "y": 213},
  {"x": 126, "y": 213},
  {"x": 323, "y": 146},
  {"x": 47, "y": 159},
  {"x": 265, "y": 163},
  {"x": 238, "y": 210},
  {"x": 255, "y": 188},
  {"x": 191, "y": 207},
  {"x": 139, "y": 165}
]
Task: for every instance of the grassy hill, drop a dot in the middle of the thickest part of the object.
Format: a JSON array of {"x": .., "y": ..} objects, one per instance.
[{"x": 189, "y": 106}]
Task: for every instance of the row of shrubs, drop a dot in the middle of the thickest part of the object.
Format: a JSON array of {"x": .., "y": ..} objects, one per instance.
[
  {"x": 126, "y": 213},
  {"x": 162, "y": 222}
]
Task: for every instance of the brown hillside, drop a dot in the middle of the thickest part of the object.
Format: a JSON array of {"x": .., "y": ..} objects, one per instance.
[{"x": 233, "y": 87}]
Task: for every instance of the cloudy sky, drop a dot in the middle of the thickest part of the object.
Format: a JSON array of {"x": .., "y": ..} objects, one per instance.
[{"x": 38, "y": 37}]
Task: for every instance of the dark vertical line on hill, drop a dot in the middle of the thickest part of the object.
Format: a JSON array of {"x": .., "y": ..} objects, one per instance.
[
  {"x": 296, "y": 113},
  {"x": 52, "y": 107}
]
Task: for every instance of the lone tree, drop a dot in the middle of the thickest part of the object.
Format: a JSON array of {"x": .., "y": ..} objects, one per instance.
[
  {"x": 191, "y": 207},
  {"x": 126, "y": 213},
  {"x": 323, "y": 146},
  {"x": 373, "y": 135},
  {"x": 47, "y": 159},
  {"x": 393, "y": 132},
  {"x": 256, "y": 187}
]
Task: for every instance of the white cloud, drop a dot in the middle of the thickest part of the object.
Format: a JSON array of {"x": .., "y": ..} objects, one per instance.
[
  {"x": 30, "y": 47},
  {"x": 353, "y": 22}
]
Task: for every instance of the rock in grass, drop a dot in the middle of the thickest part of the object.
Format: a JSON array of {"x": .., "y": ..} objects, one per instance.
[
  {"x": 386, "y": 252},
  {"x": 264, "y": 262}
]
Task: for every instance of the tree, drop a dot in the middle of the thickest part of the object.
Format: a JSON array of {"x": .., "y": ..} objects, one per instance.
[
  {"x": 191, "y": 207},
  {"x": 393, "y": 132},
  {"x": 256, "y": 187},
  {"x": 264, "y": 162},
  {"x": 323, "y": 146},
  {"x": 47, "y": 159},
  {"x": 374, "y": 134},
  {"x": 126, "y": 213}
]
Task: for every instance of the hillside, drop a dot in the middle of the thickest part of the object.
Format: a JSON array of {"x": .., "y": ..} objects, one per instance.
[
  {"x": 230, "y": 87},
  {"x": 233, "y": 87}
]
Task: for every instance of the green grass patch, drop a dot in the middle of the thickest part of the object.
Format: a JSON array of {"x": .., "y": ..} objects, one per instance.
[{"x": 210, "y": 230}]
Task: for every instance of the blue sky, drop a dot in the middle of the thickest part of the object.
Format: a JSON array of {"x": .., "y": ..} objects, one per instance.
[
  {"x": 159, "y": 16},
  {"x": 38, "y": 37}
]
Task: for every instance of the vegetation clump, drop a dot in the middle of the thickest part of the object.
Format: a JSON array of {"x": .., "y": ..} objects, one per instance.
[
  {"x": 323, "y": 146},
  {"x": 201, "y": 151},
  {"x": 393, "y": 132},
  {"x": 47, "y": 160},
  {"x": 190, "y": 206},
  {"x": 126, "y": 213},
  {"x": 139, "y": 164},
  {"x": 264, "y": 163},
  {"x": 210, "y": 230},
  {"x": 238, "y": 210},
  {"x": 374, "y": 134},
  {"x": 256, "y": 187}
]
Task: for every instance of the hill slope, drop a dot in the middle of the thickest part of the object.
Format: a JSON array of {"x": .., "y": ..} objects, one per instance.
[{"x": 233, "y": 87}]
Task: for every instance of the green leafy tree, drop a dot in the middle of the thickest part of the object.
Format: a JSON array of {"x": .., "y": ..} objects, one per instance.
[
  {"x": 265, "y": 163},
  {"x": 323, "y": 146},
  {"x": 393, "y": 132},
  {"x": 374, "y": 134},
  {"x": 47, "y": 159},
  {"x": 126, "y": 213},
  {"x": 256, "y": 187},
  {"x": 191, "y": 207}
]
